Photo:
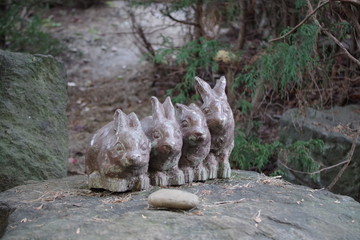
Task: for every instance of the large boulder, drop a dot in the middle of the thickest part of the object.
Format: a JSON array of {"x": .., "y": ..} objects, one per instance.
[
  {"x": 247, "y": 206},
  {"x": 338, "y": 128},
  {"x": 33, "y": 126}
]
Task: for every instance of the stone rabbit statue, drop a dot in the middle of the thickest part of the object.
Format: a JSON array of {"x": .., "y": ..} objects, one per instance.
[
  {"x": 118, "y": 156},
  {"x": 221, "y": 124},
  {"x": 165, "y": 135},
  {"x": 196, "y": 142}
]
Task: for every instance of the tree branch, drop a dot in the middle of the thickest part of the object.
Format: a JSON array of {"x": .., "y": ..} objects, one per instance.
[
  {"x": 329, "y": 34},
  {"x": 349, "y": 157},
  {"x": 178, "y": 20},
  {"x": 301, "y": 23}
]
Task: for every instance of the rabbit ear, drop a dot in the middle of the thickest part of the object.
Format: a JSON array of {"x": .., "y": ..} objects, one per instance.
[
  {"x": 169, "y": 109},
  {"x": 134, "y": 121},
  {"x": 220, "y": 87},
  {"x": 181, "y": 108},
  {"x": 158, "y": 110},
  {"x": 203, "y": 88},
  {"x": 120, "y": 120},
  {"x": 194, "y": 107}
]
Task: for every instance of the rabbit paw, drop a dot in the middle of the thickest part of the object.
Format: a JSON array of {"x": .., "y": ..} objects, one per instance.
[
  {"x": 224, "y": 170},
  {"x": 159, "y": 179},
  {"x": 142, "y": 183},
  {"x": 177, "y": 177},
  {"x": 212, "y": 166},
  {"x": 200, "y": 173},
  {"x": 188, "y": 174}
]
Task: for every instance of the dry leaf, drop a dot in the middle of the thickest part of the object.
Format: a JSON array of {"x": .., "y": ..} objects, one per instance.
[
  {"x": 257, "y": 218},
  {"x": 39, "y": 207}
]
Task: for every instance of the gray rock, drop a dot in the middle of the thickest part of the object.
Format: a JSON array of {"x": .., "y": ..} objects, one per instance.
[
  {"x": 337, "y": 128},
  {"x": 33, "y": 126},
  {"x": 5, "y": 211},
  {"x": 246, "y": 206},
  {"x": 172, "y": 198}
]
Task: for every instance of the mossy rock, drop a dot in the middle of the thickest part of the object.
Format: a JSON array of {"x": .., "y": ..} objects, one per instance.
[{"x": 33, "y": 126}]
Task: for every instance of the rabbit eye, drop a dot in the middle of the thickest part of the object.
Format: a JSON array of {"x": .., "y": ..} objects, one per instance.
[
  {"x": 206, "y": 110},
  {"x": 156, "y": 135},
  {"x": 184, "y": 123},
  {"x": 144, "y": 146},
  {"x": 119, "y": 147}
]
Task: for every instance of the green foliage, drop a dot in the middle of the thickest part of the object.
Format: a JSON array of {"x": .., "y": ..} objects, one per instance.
[
  {"x": 299, "y": 155},
  {"x": 194, "y": 56},
  {"x": 284, "y": 63},
  {"x": 252, "y": 153},
  {"x": 25, "y": 34}
]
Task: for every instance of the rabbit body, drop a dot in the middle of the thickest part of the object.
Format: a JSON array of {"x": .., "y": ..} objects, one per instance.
[
  {"x": 164, "y": 132},
  {"x": 220, "y": 121},
  {"x": 196, "y": 142},
  {"x": 118, "y": 156}
]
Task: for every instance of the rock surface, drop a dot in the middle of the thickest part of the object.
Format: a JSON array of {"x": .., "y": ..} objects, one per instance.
[
  {"x": 172, "y": 198},
  {"x": 33, "y": 124},
  {"x": 338, "y": 128},
  {"x": 247, "y": 206}
]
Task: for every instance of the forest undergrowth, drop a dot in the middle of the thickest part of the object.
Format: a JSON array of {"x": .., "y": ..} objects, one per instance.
[{"x": 275, "y": 55}]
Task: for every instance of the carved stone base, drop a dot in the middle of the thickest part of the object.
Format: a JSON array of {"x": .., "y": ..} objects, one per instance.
[{"x": 137, "y": 183}]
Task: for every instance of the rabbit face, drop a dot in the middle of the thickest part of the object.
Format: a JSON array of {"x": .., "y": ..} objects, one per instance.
[
  {"x": 164, "y": 133},
  {"x": 165, "y": 138},
  {"x": 217, "y": 113},
  {"x": 119, "y": 149},
  {"x": 217, "y": 110},
  {"x": 130, "y": 150},
  {"x": 193, "y": 125}
]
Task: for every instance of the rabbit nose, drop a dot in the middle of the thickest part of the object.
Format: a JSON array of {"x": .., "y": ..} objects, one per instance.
[
  {"x": 222, "y": 120},
  {"x": 135, "y": 158},
  {"x": 166, "y": 148},
  {"x": 199, "y": 136}
]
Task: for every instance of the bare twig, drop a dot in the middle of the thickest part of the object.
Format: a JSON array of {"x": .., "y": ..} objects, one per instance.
[
  {"x": 178, "y": 20},
  {"x": 229, "y": 202},
  {"x": 349, "y": 157},
  {"x": 301, "y": 23},
  {"x": 315, "y": 172}
]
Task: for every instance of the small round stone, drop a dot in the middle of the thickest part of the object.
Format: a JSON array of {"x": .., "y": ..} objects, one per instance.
[{"x": 176, "y": 199}]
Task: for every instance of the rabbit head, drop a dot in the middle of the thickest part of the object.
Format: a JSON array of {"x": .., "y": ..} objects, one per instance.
[
  {"x": 164, "y": 134},
  {"x": 217, "y": 110},
  {"x": 128, "y": 150},
  {"x": 193, "y": 125}
]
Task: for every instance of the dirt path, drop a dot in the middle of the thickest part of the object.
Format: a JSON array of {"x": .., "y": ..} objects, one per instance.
[{"x": 105, "y": 67}]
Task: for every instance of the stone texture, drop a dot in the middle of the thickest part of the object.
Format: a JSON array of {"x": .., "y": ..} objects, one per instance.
[
  {"x": 246, "y": 206},
  {"x": 5, "y": 211},
  {"x": 172, "y": 198},
  {"x": 337, "y": 128},
  {"x": 33, "y": 126}
]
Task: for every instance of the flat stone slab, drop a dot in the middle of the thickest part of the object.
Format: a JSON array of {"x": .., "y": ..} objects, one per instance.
[{"x": 247, "y": 206}]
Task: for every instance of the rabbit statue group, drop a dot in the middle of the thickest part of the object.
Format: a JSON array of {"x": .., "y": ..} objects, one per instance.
[{"x": 173, "y": 146}]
